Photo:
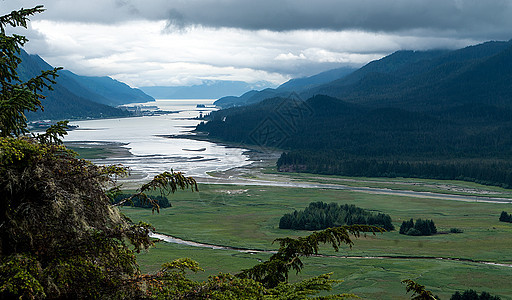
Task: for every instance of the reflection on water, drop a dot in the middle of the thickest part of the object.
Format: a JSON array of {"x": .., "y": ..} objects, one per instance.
[{"x": 151, "y": 152}]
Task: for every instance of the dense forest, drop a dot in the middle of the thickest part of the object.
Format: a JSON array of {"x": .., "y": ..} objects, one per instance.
[
  {"x": 473, "y": 295},
  {"x": 484, "y": 171},
  {"x": 320, "y": 215},
  {"x": 330, "y": 136}
]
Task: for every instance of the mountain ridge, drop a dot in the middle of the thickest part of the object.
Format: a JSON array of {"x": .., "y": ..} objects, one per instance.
[{"x": 78, "y": 97}]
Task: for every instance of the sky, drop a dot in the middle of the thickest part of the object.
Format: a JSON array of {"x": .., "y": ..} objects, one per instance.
[{"x": 263, "y": 42}]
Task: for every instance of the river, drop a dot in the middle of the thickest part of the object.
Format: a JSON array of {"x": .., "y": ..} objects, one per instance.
[{"x": 149, "y": 151}]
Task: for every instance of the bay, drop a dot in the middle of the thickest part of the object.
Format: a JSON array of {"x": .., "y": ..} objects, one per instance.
[{"x": 150, "y": 150}]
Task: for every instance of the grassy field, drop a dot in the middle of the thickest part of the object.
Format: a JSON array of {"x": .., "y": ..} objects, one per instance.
[
  {"x": 368, "y": 278},
  {"x": 248, "y": 217}
]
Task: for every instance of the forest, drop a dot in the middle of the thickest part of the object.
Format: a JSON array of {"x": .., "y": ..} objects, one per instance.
[
  {"x": 320, "y": 215},
  {"x": 496, "y": 172},
  {"x": 329, "y": 136}
]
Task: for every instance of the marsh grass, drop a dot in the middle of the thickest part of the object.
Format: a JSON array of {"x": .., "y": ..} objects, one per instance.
[{"x": 248, "y": 217}]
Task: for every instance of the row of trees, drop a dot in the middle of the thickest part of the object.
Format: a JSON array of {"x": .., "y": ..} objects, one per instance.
[
  {"x": 484, "y": 171},
  {"x": 473, "y": 295},
  {"x": 320, "y": 215},
  {"x": 421, "y": 227},
  {"x": 329, "y": 136}
]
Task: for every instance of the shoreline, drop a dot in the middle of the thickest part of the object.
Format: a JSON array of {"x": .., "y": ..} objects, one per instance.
[{"x": 253, "y": 174}]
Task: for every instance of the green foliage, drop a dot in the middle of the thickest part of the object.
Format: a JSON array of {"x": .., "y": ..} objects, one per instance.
[
  {"x": 320, "y": 215},
  {"x": 473, "y": 295},
  {"x": 303, "y": 289},
  {"x": 275, "y": 270},
  {"x": 53, "y": 134},
  {"x": 19, "y": 276},
  {"x": 418, "y": 291},
  {"x": 171, "y": 282},
  {"x": 166, "y": 183},
  {"x": 54, "y": 209},
  {"x": 505, "y": 217},
  {"x": 16, "y": 96},
  {"x": 421, "y": 227},
  {"x": 162, "y": 201},
  {"x": 456, "y": 230}
]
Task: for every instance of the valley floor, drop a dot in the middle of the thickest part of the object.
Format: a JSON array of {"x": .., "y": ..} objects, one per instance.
[{"x": 241, "y": 208}]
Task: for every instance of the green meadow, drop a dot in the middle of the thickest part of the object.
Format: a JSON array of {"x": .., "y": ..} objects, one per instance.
[{"x": 248, "y": 217}]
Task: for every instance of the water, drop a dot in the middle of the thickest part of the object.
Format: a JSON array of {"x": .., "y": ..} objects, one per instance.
[{"x": 151, "y": 153}]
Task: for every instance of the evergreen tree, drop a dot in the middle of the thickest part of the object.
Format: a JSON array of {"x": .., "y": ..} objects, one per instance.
[
  {"x": 16, "y": 96},
  {"x": 421, "y": 227},
  {"x": 505, "y": 217}
]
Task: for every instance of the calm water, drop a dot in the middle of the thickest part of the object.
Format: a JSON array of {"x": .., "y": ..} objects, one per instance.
[{"x": 153, "y": 154}]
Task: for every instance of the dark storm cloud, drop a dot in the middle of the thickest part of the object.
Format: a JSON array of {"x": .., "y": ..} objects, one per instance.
[
  {"x": 147, "y": 42},
  {"x": 464, "y": 18}
]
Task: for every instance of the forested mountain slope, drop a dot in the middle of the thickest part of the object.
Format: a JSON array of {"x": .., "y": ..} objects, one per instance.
[
  {"x": 442, "y": 114},
  {"x": 76, "y": 97}
]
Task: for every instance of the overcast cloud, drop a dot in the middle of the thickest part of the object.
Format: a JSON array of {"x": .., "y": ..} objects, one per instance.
[{"x": 182, "y": 42}]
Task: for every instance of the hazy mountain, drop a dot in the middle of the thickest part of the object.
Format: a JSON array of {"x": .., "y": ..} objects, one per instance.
[
  {"x": 288, "y": 89},
  {"x": 208, "y": 90},
  {"x": 422, "y": 80},
  {"x": 300, "y": 84},
  {"x": 429, "y": 80},
  {"x": 115, "y": 92},
  {"x": 75, "y": 96}
]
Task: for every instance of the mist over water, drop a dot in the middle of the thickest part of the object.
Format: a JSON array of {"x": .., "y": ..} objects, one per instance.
[{"x": 152, "y": 153}]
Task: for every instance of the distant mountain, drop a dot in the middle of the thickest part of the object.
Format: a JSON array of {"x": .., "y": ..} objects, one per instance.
[
  {"x": 471, "y": 86},
  {"x": 429, "y": 80},
  {"x": 211, "y": 89},
  {"x": 77, "y": 97},
  {"x": 290, "y": 88}
]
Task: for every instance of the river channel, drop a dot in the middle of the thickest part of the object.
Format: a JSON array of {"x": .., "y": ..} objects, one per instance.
[{"x": 150, "y": 152}]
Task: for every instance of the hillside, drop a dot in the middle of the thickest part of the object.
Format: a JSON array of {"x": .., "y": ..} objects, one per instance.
[
  {"x": 77, "y": 97},
  {"x": 429, "y": 80},
  {"x": 438, "y": 114}
]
